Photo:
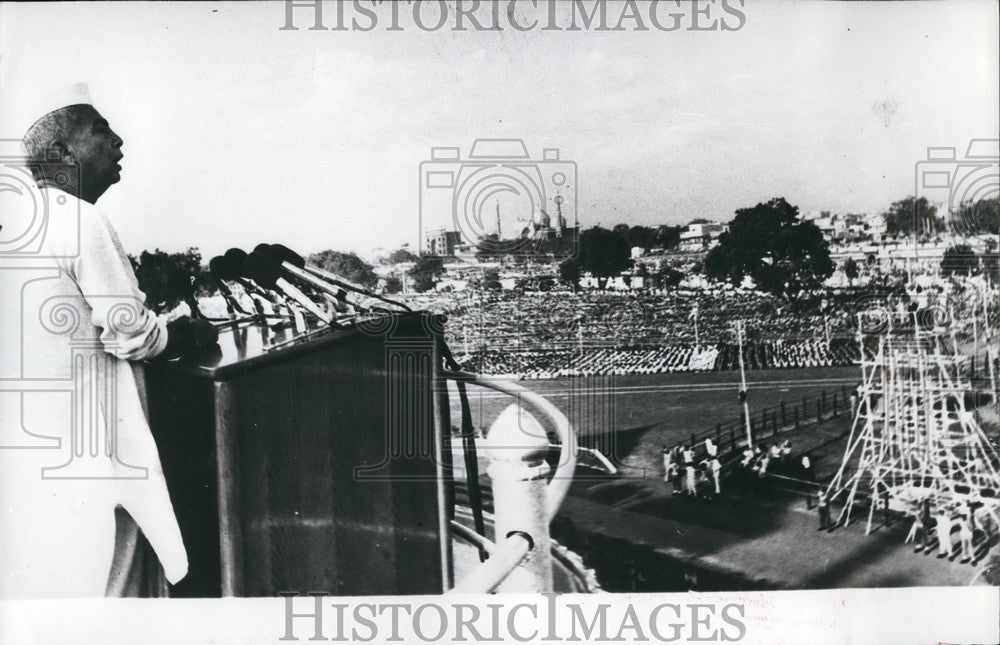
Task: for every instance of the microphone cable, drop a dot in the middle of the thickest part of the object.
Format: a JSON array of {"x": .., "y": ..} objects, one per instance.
[{"x": 469, "y": 452}]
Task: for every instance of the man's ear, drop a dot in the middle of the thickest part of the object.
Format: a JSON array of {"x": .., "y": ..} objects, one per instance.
[{"x": 58, "y": 152}]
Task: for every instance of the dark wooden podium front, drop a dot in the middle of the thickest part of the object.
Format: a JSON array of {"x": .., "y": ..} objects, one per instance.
[{"x": 313, "y": 467}]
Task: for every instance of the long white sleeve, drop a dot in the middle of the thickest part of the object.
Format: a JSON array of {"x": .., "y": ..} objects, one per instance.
[{"x": 104, "y": 275}]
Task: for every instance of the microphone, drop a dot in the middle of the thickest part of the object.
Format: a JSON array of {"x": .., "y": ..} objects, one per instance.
[
  {"x": 217, "y": 267},
  {"x": 180, "y": 282},
  {"x": 235, "y": 258},
  {"x": 293, "y": 263},
  {"x": 228, "y": 269},
  {"x": 265, "y": 250},
  {"x": 296, "y": 260},
  {"x": 261, "y": 269},
  {"x": 299, "y": 262}
]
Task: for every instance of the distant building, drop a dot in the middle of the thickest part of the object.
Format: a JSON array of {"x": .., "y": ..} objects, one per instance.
[
  {"x": 700, "y": 235},
  {"x": 849, "y": 227},
  {"x": 441, "y": 242},
  {"x": 545, "y": 226}
]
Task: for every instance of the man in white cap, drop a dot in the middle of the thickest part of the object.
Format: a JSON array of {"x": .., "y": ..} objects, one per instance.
[{"x": 85, "y": 321}]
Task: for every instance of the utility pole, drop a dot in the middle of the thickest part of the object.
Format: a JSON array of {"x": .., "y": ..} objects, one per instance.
[
  {"x": 743, "y": 384},
  {"x": 697, "y": 342}
]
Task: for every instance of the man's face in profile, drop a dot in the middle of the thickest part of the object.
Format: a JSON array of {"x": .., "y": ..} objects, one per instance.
[{"x": 96, "y": 150}]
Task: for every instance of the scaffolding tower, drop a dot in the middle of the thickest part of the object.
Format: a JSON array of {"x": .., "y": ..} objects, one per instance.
[{"x": 913, "y": 439}]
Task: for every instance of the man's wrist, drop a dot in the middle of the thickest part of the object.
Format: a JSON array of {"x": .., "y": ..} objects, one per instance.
[
  {"x": 185, "y": 336},
  {"x": 180, "y": 339}
]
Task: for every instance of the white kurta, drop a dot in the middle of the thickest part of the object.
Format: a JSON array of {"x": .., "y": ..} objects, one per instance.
[{"x": 75, "y": 443}]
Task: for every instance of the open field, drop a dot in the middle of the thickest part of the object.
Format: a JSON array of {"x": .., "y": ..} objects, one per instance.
[
  {"x": 646, "y": 412},
  {"x": 681, "y": 402}
]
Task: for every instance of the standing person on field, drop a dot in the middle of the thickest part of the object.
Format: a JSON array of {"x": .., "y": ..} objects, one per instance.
[{"x": 944, "y": 533}]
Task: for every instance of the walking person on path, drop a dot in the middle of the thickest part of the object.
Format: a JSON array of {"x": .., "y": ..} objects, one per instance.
[{"x": 825, "y": 522}]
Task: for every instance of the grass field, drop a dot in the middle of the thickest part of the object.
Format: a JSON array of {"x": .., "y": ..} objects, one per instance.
[{"x": 646, "y": 412}]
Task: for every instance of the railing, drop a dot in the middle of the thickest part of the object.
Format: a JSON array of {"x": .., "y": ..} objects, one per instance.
[
  {"x": 525, "y": 499},
  {"x": 783, "y": 420},
  {"x": 504, "y": 559}
]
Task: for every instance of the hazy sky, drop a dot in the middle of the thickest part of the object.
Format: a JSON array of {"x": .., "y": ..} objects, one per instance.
[{"x": 237, "y": 132}]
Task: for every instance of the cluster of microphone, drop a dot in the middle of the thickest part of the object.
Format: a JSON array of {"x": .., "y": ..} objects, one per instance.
[{"x": 276, "y": 278}]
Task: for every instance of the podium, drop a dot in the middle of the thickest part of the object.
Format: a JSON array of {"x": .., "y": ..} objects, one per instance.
[{"x": 307, "y": 465}]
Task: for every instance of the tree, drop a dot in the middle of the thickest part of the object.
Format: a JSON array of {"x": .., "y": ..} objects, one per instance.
[
  {"x": 668, "y": 277},
  {"x": 491, "y": 247},
  {"x": 393, "y": 284},
  {"x": 912, "y": 216},
  {"x": 768, "y": 242},
  {"x": 569, "y": 272},
  {"x": 604, "y": 253},
  {"x": 668, "y": 237},
  {"x": 978, "y": 218},
  {"x": 851, "y": 269},
  {"x": 169, "y": 278},
  {"x": 991, "y": 259},
  {"x": 959, "y": 260},
  {"x": 426, "y": 272},
  {"x": 348, "y": 265},
  {"x": 399, "y": 256},
  {"x": 643, "y": 237}
]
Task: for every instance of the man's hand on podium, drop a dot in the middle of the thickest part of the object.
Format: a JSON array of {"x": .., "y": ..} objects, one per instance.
[{"x": 187, "y": 336}]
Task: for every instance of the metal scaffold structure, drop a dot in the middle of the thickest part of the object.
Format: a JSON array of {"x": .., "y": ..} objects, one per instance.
[{"x": 915, "y": 438}]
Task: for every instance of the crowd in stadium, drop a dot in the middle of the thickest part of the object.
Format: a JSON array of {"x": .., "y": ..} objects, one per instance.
[
  {"x": 539, "y": 363},
  {"x": 551, "y": 334},
  {"x": 547, "y": 334}
]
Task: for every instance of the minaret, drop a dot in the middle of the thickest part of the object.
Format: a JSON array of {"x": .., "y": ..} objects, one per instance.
[{"x": 499, "y": 233}]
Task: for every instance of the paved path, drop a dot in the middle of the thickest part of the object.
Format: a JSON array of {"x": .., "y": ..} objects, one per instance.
[{"x": 767, "y": 543}]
